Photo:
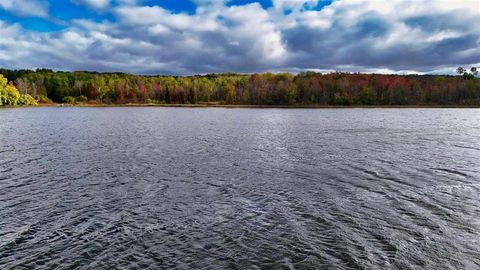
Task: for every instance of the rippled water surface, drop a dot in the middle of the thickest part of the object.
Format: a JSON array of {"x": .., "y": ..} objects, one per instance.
[{"x": 126, "y": 188}]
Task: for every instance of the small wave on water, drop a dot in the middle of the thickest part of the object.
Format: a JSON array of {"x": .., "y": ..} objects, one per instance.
[
  {"x": 455, "y": 172},
  {"x": 171, "y": 188}
]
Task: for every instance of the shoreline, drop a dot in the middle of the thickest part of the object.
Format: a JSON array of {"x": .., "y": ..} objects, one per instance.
[{"x": 60, "y": 105}]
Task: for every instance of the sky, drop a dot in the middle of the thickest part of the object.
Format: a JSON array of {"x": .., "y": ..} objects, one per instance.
[{"x": 185, "y": 37}]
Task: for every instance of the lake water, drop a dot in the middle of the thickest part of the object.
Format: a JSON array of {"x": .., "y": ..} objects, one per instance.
[{"x": 215, "y": 188}]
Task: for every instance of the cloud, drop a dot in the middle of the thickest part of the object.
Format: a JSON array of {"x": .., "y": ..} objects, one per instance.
[
  {"x": 26, "y": 8},
  {"x": 295, "y": 4},
  {"x": 368, "y": 34},
  {"x": 351, "y": 35},
  {"x": 95, "y": 4}
]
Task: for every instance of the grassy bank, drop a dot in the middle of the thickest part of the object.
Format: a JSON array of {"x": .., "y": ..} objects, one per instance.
[{"x": 98, "y": 105}]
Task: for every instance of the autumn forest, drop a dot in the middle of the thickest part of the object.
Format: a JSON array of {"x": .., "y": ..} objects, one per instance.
[{"x": 307, "y": 88}]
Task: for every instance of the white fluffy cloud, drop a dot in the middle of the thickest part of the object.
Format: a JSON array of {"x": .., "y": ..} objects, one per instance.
[
  {"x": 351, "y": 35},
  {"x": 95, "y": 4},
  {"x": 26, "y": 8}
]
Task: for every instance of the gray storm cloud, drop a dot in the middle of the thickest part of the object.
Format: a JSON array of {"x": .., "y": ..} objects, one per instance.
[{"x": 352, "y": 35}]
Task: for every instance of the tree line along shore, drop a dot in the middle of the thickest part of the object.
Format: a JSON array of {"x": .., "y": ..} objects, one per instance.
[{"x": 306, "y": 89}]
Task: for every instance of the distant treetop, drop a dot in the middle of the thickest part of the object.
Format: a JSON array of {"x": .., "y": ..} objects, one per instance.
[{"x": 468, "y": 75}]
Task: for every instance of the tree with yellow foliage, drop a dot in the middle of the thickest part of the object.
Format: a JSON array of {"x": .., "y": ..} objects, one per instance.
[{"x": 9, "y": 95}]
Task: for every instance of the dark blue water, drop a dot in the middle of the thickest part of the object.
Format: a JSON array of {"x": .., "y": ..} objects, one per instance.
[{"x": 127, "y": 188}]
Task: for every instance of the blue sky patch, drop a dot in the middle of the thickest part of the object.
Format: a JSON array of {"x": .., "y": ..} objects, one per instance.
[{"x": 264, "y": 3}]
